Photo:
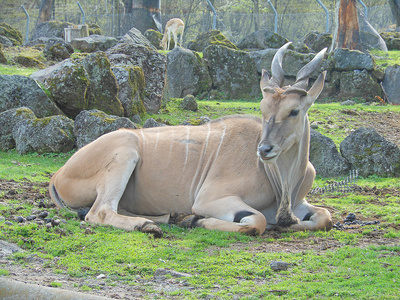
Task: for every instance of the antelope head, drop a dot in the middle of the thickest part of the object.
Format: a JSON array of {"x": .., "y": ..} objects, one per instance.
[{"x": 284, "y": 108}]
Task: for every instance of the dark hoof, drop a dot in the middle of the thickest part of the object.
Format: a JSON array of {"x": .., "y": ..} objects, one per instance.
[
  {"x": 152, "y": 229},
  {"x": 189, "y": 221}
]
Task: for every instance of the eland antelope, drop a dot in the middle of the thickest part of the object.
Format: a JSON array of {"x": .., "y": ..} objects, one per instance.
[
  {"x": 236, "y": 173},
  {"x": 173, "y": 28}
]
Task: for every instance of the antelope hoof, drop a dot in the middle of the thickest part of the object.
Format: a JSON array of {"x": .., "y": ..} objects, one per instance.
[
  {"x": 188, "y": 221},
  {"x": 152, "y": 229}
]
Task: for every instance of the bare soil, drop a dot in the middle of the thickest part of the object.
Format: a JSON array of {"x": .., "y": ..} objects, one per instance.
[{"x": 387, "y": 124}]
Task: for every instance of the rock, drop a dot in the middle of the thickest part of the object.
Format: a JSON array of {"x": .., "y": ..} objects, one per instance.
[
  {"x": 154, "y": 38},
  {"x": 131, "y": 90},
  {"x": 11, "y": 33},
  {"x": 325, "y": 157},
  {"x": 3, "y": 59},
  {"x": 94, "y": 43},
  {"x": 50, "y": 29},
  {"x": 279, "y": 266},
  {"x": 135, "y": 37},
  {"x": 262, "y": 39},
  {"x": 89, "y": 125},
  {"x": 8, "y": 119},
  {"x": 43, "y": 214},
  {"x": 233, "y": 72},
  {"x": 7, "y": 249},
  {"x": 150, "y": 122},
  {"x": 21, "y": 91},
  {"x": 348, "y": 102},
  {"x": 349, "y": 60},
  {"x": 212, "y": 37},
  {"x": 153, "y": 64},
  {"x": 102, "y": 92},
  {"x": 5, "y": 41},
  {"x": 187, "y": 73},
  {"x": 55, "y": 48},
  {"x": 359, "y": 84},
  {"x": 28, "y": 61},
  {"x": 50, "y": 134},
  {"x": 391, "y": 84},
  {"x": 317, "y": 41},
  {"x": 371, "y": 154},
  {"x": 189, "y": 103},
  {"x": 392, "y": 40},
  {"x": 161, "y": 273}
]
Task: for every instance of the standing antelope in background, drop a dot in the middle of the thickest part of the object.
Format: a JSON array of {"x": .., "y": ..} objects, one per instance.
[
  {"x": 236, "y": 173},
  {"x": 173, "y": 28}
]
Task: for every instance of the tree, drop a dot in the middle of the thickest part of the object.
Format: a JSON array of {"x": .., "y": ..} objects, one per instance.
[
  {"x": 142, "y": 14},
  {"x": 395, "y": 8},
  {"x": 46, "y": 7},
  {"x": 348, "y": 32}
]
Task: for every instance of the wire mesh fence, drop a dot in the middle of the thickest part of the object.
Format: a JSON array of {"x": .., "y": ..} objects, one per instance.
[{"x": 235, "y": 26}]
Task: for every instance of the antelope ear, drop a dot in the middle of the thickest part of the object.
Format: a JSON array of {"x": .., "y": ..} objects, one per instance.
[
  {"x": 316, "y": 89},
  {"x": 264, "y": 79}
]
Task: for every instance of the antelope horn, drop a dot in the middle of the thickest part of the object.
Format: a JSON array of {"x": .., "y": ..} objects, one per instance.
[
  {"x": 276, "y": 66},
  {"x": 308, "y": 69}
]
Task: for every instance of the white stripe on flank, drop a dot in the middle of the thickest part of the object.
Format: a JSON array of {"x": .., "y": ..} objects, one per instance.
[
  {"x": 187, "y": 145},
  {"x": 208, "y": 136},
  {"x": 157, "y": 137},
  {"x": 141, "y": 131},
  {"x": 222, "y": 139}
]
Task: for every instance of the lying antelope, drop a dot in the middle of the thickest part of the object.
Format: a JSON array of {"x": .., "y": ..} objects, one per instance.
[
  {"x": 236, "y": 173},
  {"x": 173, "y": 28}
]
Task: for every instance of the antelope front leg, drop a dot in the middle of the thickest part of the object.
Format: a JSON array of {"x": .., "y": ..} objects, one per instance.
[{"x": 228, "y": 214}]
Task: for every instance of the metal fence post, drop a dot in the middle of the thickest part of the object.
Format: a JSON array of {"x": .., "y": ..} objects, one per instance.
[
  {"x": 83, "y": 13},
  {"x": 365, "y": 9},
  {"x": 215, "y": 14},
  {"x": 27, "y": 24},
  {"x": 276, "y": 17},
  {"x": 327, "y": 15}
]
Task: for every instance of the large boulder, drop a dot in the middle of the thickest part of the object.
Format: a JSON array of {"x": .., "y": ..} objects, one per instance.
[
  {"x": 21, "y": 91},
  {"x": 89, "y": 125},
  {"x": 212, "y": 37},
  {"x": 325, "y": 156},
  {"x": 50, "y": 134},
  {"x": 391, "y": 84},
  {"x": 94, "y": 43},
  {"x": 233, "y": 72},
  {"x": 12, "y": 34},
  {"x": 81, "y": 84},
  {"x": 359, "y": 84},
  {"x": 131, "y": 84},
  {"x": 153, "y": 64},
  {"x": 154, "y": 38},
  {"x": 8, "y": 119},
  {"x": 55, "y": 48},
  {"x": 50, "y": 29},
  {"x": 262, "y": 39},
  {"x": 135, "y": 37},
  {"x": 3, "y": 59},
  {"x": 187, "y": 73},
  {"x": 348, "y": 60},
  {"x": 317, "y": 41},
  {"x": 392, "y": 40},
  {"x": 371, "y": 154}
]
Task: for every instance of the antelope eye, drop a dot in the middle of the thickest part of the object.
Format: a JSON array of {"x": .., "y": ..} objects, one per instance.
[{"x": 294, "y": 113}]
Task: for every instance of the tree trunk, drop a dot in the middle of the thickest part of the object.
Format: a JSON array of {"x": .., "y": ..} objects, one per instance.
[
  {"x": 256, "y": 14},
  {"x": 348, "y": 35},
  {"x": 142, "y": 14},
  {"x": 395, "y": 8},
  {"x": 45, "y": 10}
]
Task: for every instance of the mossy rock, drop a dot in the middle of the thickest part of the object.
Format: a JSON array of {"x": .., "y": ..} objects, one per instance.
[
  {"x": 3, "y": 59},
  {"x": 94, "y": 29},
  {"x": 212, "y": 37},
  {"x": 14, "y": 35},
  {"x": 50, "y": 29},
  {"x": 392, "y": 40},
  {"x": 29, "y": 62},
  {"x": 154, "y": 37}
]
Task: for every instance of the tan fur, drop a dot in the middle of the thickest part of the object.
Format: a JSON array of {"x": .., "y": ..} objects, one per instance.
[
  {"x": 217, "y": 173},
  {"x": 173, "y": 28}
]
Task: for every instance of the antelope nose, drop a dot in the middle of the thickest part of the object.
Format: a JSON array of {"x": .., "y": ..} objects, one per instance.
[{"x": 263, "y": 150}]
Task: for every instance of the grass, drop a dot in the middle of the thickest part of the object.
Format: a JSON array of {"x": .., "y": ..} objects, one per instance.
[{"x": 385, "y": 59}]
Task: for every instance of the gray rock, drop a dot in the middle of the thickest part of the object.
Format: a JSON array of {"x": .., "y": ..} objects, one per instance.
[
  {"x": 50, "y": 134},
  {"x": 7, "y": 249},
  {"x": 50, "y": 29},
  {"x": 153, "y": 64},
  {"x": 189, "y": 103},
  {"x": 208, "y": 38},
  {"x": 89, "y": 125},
  {"x": 346, "y": 60},
  {"x": 8, "y": 119},
  {"x": 135, "y": 37},
  {"x": 371, "y": 154},
  {"x": 150, "y": 122},
  {"x": 55, "y": 48},
  {"x": 318, "y": 41},
  {"x": 348, "y": 102},
  {"x": 187, "y": 73},
  {"x": 325, "y": 156},
  {"x": 154, "y": 38},
  {"x": 262, "y": 39},
  {"x": 279, "y": 265},
  {"x": 21, "y": 91},
  {"x": 359, "y": 84},
  {"x": 5, "y": 41},
  {"x": 93, "y": 43},
  {"x": 391, "y": 84},
  {"x": 162, "y": 273},
  {"x": 233, "y": 72}
]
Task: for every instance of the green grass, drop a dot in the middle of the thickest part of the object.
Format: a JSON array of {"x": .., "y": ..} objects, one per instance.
[
  {"x": 385, "y": 59},
  {"x": 14, "y": 70}
]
